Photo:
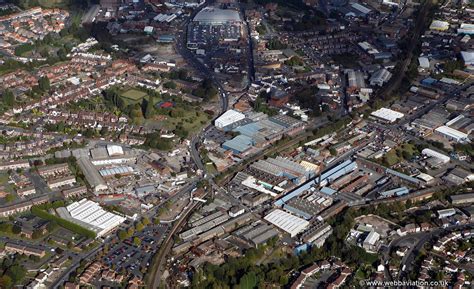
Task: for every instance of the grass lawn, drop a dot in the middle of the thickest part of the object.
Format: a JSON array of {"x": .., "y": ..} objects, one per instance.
[
  {"x": 392, "y": 157},
  {"x": 133, "y": 95},
  {"x": 409, "y": 148},
  {"x": 53, "y": 3},
  {"x": 4, "y": 178},
  {"x": 210, "y": 168},
  {"x": 189, "y": 120}
]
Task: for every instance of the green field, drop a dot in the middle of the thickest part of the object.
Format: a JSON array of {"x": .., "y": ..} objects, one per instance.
[
  {"x": 211, "y": 169},
  {"x": 190, "y": 121},
  {"x": 391, "y": 158},
  {"x": 133, "y": 95},
  {"x": 54, "y": 3}
]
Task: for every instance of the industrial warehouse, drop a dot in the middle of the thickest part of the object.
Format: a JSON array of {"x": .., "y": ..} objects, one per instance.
[
  {"x": 90, "y": 215},
  {"x": 217, "y": 16},
  {"x": 212, "y": 25},
  {"x": 254, "y": 131}
]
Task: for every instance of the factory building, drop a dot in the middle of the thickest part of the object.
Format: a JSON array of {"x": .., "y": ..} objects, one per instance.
[
  {"x": 93, "y": 177},
  {"x": 370, "y": 241},
  {"x": 227, "y": 118},
  {"x": 287, "y": 222},
  {"x": 395, "y": 192},
  {"x": 193, "y": 232},
  {"x": 89, "y": 214},
  {"x": 257, "y": 234},
  {"x": 452, "y": 134},
  {"x": 462, "y": 199},
  {"x": 122, "y": 171},
  {"x": 114, "y": 150},
  {"x": 356, "y": 79},
  {"x": 282, "y": 167},
  {"x": 380, "y": 77},
  {"x": 320, "y": 181},
  {"x": 240, "y": 145},
  {"x": 387, "y": 115},
  {"x": 216, "y": 16},
  {"x": 257, "y": 134},
  {"x": 317, "y": 234},
  {"x": 446, "y": 213},
  {"x": 444, "y": 159}
]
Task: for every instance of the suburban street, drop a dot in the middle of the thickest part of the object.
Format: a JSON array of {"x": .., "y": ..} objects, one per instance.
[{"x": 421, "y": 239}]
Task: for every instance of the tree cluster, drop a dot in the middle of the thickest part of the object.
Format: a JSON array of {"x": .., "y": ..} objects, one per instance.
[
  {"x": 155, "y": 141},
  {"x": 207, "y": 91},
  {"x": 11, "y": 271}
]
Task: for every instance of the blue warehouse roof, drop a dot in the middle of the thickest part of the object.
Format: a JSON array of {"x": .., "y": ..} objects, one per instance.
[{"x": 239, "y": 143}]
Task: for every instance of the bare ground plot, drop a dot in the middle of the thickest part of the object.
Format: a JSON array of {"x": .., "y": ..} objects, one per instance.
[{"x": 381, "y": 225}]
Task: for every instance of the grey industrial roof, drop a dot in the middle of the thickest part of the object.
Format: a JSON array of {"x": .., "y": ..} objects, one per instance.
[
  {"x": 90, "y": 172},
  {"x": 212, "y": 14},
  {"x": 239, "y": 143}
]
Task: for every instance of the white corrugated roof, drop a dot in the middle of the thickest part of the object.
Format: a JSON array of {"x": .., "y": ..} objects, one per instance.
[
  {"x": 439, "y": 25},
  {"x": 435, "y": 154},
  {"x": 452, "y": 133},
  {"x": 114, "y": 150},
  {"x": 212, "y": 14},
  {"x": 424, "y": 62},
  {"x": 372, "y": 238},
  {"x": 387, "y": 114},
  {"x": 228, "y": 117},
  {"x": 92, "y": 214},
  {"x": 287, "y": 222}
]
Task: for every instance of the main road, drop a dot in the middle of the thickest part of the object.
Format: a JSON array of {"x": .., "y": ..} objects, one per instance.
[{"x": 202, "y": 69}]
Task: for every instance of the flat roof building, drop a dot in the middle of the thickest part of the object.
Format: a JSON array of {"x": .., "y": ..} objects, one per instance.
[
  {"x": 387, "y": 114},
  {"x": 227, "y": 118},
  {"x": 239, "y": 144},
  {"x": 468, "y": 58}
]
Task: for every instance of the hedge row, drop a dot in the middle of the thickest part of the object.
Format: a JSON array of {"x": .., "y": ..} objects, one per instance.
[{"x": 63, "y": 223}]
